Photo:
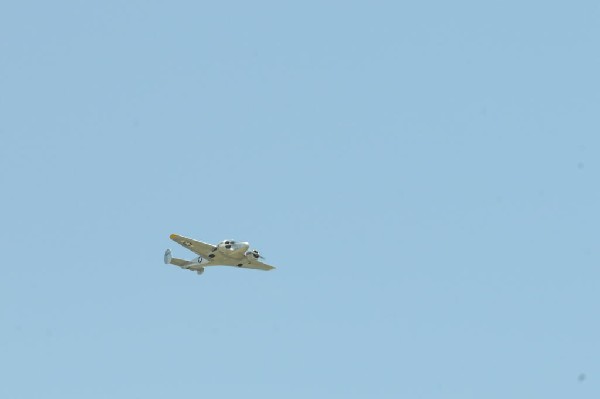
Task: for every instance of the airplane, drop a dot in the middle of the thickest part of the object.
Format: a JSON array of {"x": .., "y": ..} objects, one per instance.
[{"x": 225, "y": 253}]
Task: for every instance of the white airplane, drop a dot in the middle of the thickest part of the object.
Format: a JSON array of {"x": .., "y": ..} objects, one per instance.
[{"x": 225, "y": 253}]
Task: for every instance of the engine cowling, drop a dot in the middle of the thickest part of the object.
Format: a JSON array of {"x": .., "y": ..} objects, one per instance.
[{"x": 253, "y": 255}]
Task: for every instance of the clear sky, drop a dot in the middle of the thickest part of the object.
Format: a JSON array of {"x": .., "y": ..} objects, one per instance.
[{"x": 424, "y": 175}]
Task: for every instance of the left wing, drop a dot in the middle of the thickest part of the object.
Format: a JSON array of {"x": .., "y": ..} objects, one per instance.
[
  {"x": 198, "y": 247},
  {"x": 254, "y": 264}
]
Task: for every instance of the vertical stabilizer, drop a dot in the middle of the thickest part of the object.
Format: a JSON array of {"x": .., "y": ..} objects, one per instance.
[{"x": 168, "y": 256}]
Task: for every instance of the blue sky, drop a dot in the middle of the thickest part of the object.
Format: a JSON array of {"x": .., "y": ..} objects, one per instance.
[{"x": 424, "y": 176}]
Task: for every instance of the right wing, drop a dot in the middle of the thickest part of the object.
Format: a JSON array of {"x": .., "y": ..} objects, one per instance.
[
  {"x": 201, "y": 248},
  {"x": 254, "y": 264}
]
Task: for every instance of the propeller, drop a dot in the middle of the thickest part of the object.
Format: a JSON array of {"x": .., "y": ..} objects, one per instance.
[{"x": 255, "y": 252}]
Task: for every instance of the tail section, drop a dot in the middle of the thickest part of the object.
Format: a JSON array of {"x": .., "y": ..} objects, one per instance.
[
  {"x": 168, "y": 256},
  {"x": 169, "y": 259},
  {"x": 194, "y": 265}
]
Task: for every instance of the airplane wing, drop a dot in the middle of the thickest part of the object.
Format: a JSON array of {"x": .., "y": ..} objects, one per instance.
[
  {"x": 254, "y": 264},
  {"x": 198, "y": 247}
]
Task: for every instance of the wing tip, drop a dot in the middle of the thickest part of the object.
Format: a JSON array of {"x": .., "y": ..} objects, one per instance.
[{"x": 173, "y": 236}]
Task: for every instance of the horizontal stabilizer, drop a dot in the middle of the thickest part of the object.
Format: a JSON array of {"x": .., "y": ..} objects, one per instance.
[{"x": 169, "y": 259}]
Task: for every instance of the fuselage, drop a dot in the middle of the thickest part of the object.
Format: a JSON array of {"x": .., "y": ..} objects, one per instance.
[
  {"x": 227, "y": 252},
  {"x": 233, "y": 249}
]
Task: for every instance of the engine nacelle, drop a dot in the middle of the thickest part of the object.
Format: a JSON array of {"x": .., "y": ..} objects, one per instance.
[{"x": 253, "y": 255}]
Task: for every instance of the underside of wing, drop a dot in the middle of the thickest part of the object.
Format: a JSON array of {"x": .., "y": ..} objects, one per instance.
[
  {"x": 198, "y": 247},
  {"x": 254, "y": 264}
]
